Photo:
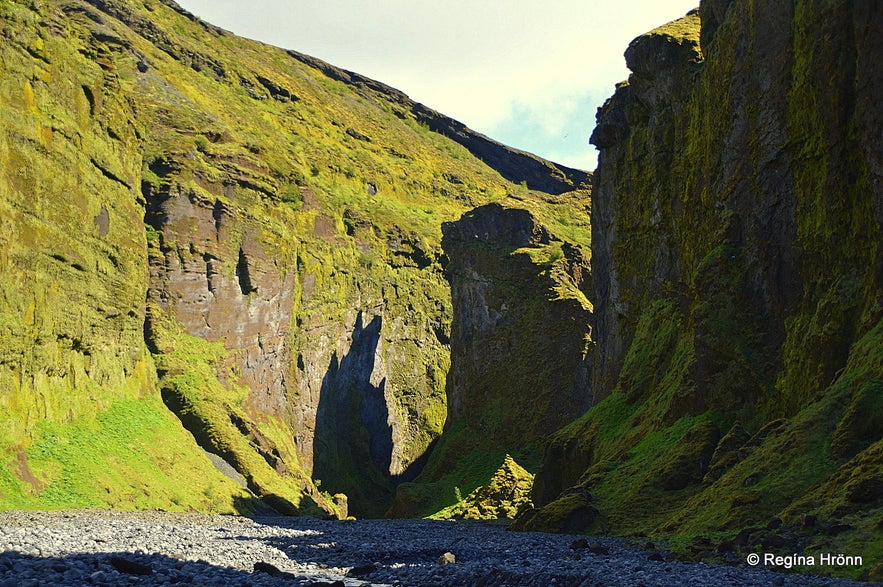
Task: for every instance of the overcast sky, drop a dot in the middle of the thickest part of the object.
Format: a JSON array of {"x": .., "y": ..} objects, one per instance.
[{"x": 528, "y": 73}]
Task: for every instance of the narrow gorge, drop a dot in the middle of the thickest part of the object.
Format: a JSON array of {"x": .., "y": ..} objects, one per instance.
[{"x": 238, "y": 279}]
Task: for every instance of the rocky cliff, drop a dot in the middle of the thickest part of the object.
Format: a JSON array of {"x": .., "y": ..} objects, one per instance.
[
  {"x": 738, "y": 288},
  {"x": 245, "y": 236},
  {"x": 520, "y": 344}
]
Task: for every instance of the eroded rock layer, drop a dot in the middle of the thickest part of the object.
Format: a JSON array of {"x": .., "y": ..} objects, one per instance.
[{"x": 520, "y": 346}]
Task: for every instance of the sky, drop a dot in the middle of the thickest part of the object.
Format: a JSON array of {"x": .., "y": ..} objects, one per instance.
[{"x": 527, "y": 73}]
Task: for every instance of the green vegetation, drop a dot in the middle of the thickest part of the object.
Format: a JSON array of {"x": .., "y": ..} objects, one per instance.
[
  {"x": 215, "y": 414},
  {"x": 133, "y": 455},
  {"x": 461, "y": 464},
  {"x": 519, "y": 346},
  {"x": 742, "y": 303},
  {"x": 180, "y": 154},
  {"x": 502, "y": 498}
]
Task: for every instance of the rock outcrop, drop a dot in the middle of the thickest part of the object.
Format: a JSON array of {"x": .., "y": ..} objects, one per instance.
[
  {"x": 502, "y": 498},
  {"x": 520, "y": 346},
  {"x": 520, "y": 331},
  {"x": 738, "y": 277},
  {"x": 83, "y": 424}
]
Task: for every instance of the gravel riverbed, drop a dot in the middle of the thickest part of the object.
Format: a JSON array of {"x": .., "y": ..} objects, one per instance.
[{"x": 155, "y": 548}]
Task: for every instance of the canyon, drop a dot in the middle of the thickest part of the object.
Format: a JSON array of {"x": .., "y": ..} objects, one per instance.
[{"x": 237, "y": 279}]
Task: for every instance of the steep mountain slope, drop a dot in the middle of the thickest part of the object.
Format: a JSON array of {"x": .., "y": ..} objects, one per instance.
[
  {"x": 247, "y": 234},
  {"x": 738, "y": 288}
]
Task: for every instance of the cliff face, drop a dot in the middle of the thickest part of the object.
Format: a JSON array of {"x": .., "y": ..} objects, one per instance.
[
  {"x": 210, "y": 245},
  {"x": 82, "y": 422},
  {"x": 520, "y": 345},
  {"x": 519, "y": 335},
  {"x": 243, "y": 235},
  {"x": 738, "y": 281}
]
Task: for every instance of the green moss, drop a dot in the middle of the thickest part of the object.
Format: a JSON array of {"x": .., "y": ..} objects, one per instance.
[
  {"x": 649, "y": 357},
  {"x": 682, "y": 29},
  {"x": 862, "y": 421},
  {"x": 503, "y": 497},
  {"x": 459, "y": 464},
  {"x": 181, "y": 112},
  {"x": 571, "y": 512},
  {"x": 785, "y": 470},
  {"x": 545, "y": 255},
  {"x": 131, "y": 456},
  {"x": 215, "y": 414},
  {"x": 743, "y": 285}
]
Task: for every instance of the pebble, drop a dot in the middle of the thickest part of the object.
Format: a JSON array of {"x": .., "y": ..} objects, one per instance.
[{"x": 100, "y": 547}]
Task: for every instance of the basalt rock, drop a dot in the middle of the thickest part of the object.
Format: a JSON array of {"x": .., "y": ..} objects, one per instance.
[
  {"x": 502, "y": 498},
  {"x": 736, "y": 256},
  {"x": 520, "y": 349},
  {"x": 519, "y": 336}
]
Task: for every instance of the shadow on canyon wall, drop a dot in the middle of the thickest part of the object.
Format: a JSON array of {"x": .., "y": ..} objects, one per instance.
[{"x": 353, "y": 441}]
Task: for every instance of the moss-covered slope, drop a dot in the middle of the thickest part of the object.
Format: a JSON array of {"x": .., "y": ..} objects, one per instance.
[
  {"x": 81, "y": 423},
  {"x": 248, "y": 234},
  {"x": 738, "y": 287}
]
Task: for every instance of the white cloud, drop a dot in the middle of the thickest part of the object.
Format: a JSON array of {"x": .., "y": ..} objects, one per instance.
[{"x": 480, "y": 62}]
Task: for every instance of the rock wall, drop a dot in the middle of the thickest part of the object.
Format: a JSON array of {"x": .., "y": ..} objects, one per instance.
[
  {"x": 339, "y": 372},
  {"x": 737, "y": 267},
  {"x": 215, "y": 277},
  {"x": 739, "y": 165},
  {"x": 519, "y": 344},
  {"x": 520, "y": 349},
  {"x": 83, "y": 424}
]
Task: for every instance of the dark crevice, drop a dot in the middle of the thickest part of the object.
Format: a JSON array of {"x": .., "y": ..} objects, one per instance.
[
  {"x": 262, "y": 445},
  {"x": 243, "y": 276},
  {"x": 180, "y": 406},
  {"x": 218, "y": 215},
  {"x": 108, "y": 173},
  {"x": 90, "y": 97},
  {"x": 210, "y": 271}
]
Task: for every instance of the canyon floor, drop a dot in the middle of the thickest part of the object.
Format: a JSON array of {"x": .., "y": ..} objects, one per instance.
[{"x": 158, "y": 548}]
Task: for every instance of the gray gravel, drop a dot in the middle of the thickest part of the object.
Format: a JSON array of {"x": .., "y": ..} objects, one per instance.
[{"x": 155, "y": 548}]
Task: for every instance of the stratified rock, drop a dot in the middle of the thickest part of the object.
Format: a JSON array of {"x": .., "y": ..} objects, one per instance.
[
  {"x": 520, "y": 349},
  {"x": 245, "y": 234}
]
